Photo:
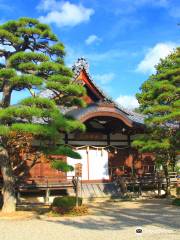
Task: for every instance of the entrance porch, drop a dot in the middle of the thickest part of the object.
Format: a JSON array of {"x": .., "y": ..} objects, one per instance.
[{"x": 105, "y": 147}]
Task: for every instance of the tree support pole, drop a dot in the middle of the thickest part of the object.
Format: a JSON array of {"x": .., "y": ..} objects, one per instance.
[
  {"x": 47, "y": 196},
  {"x": 77, "y": 192}
]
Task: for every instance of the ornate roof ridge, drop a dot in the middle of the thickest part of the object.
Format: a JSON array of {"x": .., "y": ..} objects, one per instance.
[{"x": 82, "y": 64}]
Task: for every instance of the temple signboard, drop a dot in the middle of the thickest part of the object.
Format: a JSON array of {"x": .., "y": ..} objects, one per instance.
[{"x": 78, "y": 170}]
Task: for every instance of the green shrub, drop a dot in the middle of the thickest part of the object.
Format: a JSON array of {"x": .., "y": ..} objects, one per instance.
[
  {"x": 176, "y": 202},
  {"x": 67, "y": 202}
]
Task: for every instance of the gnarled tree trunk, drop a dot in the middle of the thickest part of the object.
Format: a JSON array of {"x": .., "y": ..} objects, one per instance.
[
  {"x": 6, "y": 96},
  {"x": 8, "y": 191}
]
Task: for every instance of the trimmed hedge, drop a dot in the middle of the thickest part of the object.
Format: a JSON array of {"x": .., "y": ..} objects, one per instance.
[{"x": 67, "y": 202}]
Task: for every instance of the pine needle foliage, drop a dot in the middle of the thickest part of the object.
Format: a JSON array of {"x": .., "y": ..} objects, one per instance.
[
  {"x": 34, "y": 60},
  {"x": 160, "y": 102}
]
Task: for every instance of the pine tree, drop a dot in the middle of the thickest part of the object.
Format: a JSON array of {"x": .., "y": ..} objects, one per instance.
[
  {"x": 160, "y": 102},
  {"x": 33, "y": 59}
]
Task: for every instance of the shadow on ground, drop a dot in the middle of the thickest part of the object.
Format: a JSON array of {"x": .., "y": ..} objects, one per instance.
[
  {"x": 38, "y": 209},
  {"x": 119, "y": 215}
]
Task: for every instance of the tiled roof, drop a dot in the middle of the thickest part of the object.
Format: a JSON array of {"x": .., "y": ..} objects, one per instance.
[
  {"x": 82, "y": 64},
  {"x": 94, "y": 107}
]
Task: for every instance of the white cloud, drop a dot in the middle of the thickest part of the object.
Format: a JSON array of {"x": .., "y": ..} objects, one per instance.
[
  {"x": 104, "y": 78},
  {"x": 64, "y": 13},
  {"x": 174, "y": 12},
  {"x": 6, "y": 48},
  {"x": 127, "y": 101},
  {"x": 95, "y": 56},
  {"x": 104, "y": 81},
  {"x": 47, "y": 5},
  {"x": 92, "y": 39},
  {"x": 153, "y": 55}
]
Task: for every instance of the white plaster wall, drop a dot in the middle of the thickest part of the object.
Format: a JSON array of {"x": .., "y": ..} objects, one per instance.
[
  {"x": 98, "y": 164},
  {"x": 83, "y": 161}
]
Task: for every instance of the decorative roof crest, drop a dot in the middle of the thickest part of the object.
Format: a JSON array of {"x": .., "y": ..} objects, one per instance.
[{"x": 79, "y": 65}]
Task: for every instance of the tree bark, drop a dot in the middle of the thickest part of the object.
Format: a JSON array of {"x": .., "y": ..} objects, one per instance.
[
  {"x": 6, "y": 97},
  {"x": 8, "y": 191}
]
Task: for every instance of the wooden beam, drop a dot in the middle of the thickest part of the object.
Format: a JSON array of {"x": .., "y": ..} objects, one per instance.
[
  {"x": 88, "y": 161},
  {"x": 98, "y": 140}
]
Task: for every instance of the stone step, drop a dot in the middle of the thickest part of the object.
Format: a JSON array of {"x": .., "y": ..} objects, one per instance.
[{"x": 100, "y": 190}]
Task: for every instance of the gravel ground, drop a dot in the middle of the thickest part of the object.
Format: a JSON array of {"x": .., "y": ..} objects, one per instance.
[{"x": 110, "y": 220}]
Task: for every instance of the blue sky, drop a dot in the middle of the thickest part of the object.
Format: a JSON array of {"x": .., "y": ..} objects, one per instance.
[{"x": 121, "y": 39}]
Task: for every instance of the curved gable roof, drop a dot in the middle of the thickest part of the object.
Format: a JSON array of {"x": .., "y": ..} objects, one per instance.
[
  {"x": 82, "y": 66},
  {"x": 82, "y": 76}
]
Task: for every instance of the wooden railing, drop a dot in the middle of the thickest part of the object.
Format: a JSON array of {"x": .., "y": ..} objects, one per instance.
[
  {"x": 45, "y": 182},
  {"x": 127, "y": 171},
  {"x": 153, "y": 180}
]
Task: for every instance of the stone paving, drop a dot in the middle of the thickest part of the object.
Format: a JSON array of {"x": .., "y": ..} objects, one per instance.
[{"x": 110, "y": 220}]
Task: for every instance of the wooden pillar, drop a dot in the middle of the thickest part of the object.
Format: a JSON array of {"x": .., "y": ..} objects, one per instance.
[
  {"x": 109, "y": 164},
  {"x": 129, "y": 148},
  {"x": 66, "y": 142},
  {"x": 77, "y": 191},
  {"x": 18, "y": 197},
  {"x": 66, "y": 138},
  {"x": 88, "y": 160},
  {"x": 108, "y": 139},
  {"x": 129, "y": 140}
]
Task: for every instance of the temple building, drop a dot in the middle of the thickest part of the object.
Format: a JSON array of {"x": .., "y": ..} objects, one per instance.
[{"x": 105, "y": 147}]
